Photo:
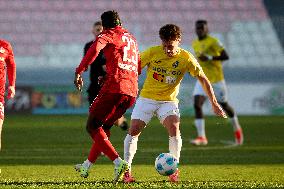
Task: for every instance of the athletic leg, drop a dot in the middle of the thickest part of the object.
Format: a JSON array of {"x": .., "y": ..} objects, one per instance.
[
  {"x": 141, "y": 115},
  {"x": 199, "y": 121},
  {"x": 169, "y": 116},
  {"x": 131, "y": 140},
  {"x": 239, "y": 139},
  {"x": 175, "y": 142},
  {"x": 104, "y": 108},
  {"x": 171, "y": 123},
  {"x": 199, "y": 97},
  {"x": 221, "y": 95}
]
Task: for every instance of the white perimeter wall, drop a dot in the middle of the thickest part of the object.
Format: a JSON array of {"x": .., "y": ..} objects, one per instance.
[{"x": 246, "y": 99}]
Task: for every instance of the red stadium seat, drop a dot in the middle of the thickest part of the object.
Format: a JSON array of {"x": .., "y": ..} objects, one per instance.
[{"x": 34, "y": 24}]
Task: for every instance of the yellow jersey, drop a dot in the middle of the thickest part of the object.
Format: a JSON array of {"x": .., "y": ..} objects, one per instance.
[
  {"x": 164, "y": 74},
  {"x": 210, "y": 46}
]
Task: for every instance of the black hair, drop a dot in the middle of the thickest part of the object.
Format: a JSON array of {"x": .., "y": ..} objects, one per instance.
[
  {"x": 110, "y": 19},
  {"x": 170, "y": 32},
  {"x": 201, "y": 22}
]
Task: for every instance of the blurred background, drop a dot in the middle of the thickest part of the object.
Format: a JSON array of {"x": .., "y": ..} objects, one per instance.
[{"x": 48, "y": 39}]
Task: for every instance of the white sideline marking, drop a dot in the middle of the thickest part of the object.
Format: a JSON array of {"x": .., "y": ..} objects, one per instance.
[{"x": 228, "y": 143}]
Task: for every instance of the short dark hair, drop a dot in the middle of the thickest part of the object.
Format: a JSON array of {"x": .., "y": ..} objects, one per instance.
[
  {"x": 110, "y": 19},
  {"x": 201, "y": 22},
  {"x": 170, "y": 32},
  {"x": 98, "y": 23}
]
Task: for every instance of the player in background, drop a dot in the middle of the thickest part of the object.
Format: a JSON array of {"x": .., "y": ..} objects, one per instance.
[
  {"x": 211, "y": 54},
  {"x": 118, "y": 92},
  {"x": 97, "y": 73},
  {"x": 166, "y": 65},
  {"x": 7, "y": 62}
]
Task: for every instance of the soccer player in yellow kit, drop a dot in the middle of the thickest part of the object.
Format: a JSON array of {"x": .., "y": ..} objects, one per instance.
[
  {"x": 210, "y": 54},
  {"x": 166, "y": 65}
]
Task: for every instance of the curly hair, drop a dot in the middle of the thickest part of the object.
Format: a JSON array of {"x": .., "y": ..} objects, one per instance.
[
  {"x": 110, "y": 19},
  {"x": 170, "y": 32}
]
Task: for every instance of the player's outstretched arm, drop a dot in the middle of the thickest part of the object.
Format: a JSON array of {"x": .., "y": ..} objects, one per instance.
[
  {"x": 91, "y": 55},
  {"x": 210, "y": 93}
]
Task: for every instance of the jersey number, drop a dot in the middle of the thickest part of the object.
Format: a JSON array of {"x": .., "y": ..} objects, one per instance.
[{"x": 130, "y": 50}]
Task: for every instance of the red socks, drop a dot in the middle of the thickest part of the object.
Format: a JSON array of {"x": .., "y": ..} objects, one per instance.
[
  {"x": 101, "y": 144},
  {"x": 95, "y": 149}
]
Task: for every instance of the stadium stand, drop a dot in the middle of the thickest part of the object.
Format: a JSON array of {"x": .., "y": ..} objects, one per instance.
[{"x": 48, "y": 35}]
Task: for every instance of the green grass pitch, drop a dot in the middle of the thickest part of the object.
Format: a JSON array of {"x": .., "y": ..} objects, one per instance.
[{"x": 40, "y": 152}]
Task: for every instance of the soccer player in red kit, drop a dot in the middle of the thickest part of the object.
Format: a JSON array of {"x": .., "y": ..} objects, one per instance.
[
  {"x": 6, "y": 62},
  {"x": 118, "y": 92}
]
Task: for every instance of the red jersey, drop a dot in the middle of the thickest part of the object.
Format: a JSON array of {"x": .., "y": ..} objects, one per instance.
[
  {"x": 122, "y": 60},
  {"x": 7, "y": 61}
]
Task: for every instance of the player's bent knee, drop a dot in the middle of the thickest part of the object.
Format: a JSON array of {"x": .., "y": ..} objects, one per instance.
[
  {"x": 93, "y": 124},
  {"x": 134, "y": 130},
  {"x": 228, "y": 109},
  {"x": 136, "y": 127},
  {"x": 171, "y": 123}
]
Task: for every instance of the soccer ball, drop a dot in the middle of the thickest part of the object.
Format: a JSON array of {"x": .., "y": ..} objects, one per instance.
[{"x": 166, "y": 164}]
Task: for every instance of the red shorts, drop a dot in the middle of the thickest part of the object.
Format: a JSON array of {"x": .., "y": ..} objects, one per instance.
[{"x": 108, "y": 107}]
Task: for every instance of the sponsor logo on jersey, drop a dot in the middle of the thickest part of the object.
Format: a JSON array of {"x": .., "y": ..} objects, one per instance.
[
  {"x": 175, "y": 64},
  {"x": 165, "y": 71},
  {"x": 162, "y": 78},
  {"x": 170, "y": 80},
  {"x": 158, "y": 77},
  {"x": 128, "y": 67}
]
